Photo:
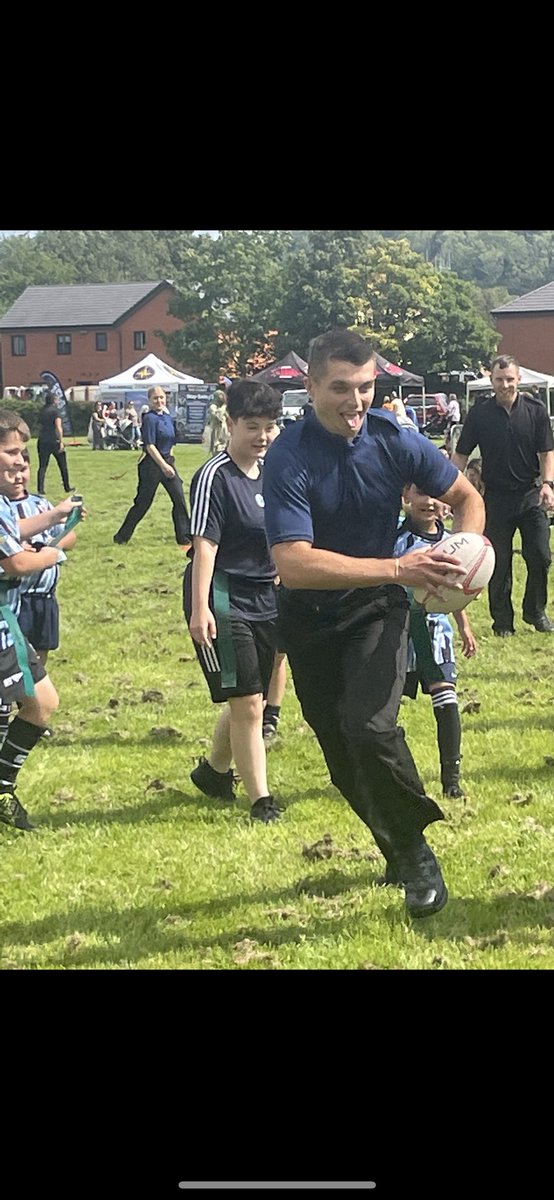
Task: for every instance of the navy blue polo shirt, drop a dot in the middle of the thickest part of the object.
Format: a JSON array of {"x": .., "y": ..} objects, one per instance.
[
  {"x": 227, "y": 507},
  {"x": 344, "y": 494},
  {"x": 158, "y": 430}
]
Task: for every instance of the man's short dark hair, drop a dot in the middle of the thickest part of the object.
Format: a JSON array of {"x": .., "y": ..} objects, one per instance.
[
  {"x": 343, "y": 344},
  {"x": 247, "y": 398},
  {"x": 503, "y": 361},
  {"x": 11, "y": 422}
]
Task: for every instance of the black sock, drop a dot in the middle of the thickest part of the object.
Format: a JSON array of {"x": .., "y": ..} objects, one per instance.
[
  {"x": 272, "y": 712},
  {"x": 449, "y": 732},
  {"x": 20, "y": 739}
]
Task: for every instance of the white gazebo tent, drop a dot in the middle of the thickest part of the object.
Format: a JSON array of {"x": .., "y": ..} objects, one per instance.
[
  {"x": 149, "y": 372},
  {"x": 528, "y": 379}
]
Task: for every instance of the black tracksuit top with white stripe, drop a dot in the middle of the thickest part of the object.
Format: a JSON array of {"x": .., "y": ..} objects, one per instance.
[{"x": 227, "y": 507}]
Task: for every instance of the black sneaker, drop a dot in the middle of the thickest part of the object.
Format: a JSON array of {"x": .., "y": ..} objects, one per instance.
[
  {"x": 504, "y": 632},
  {"x": 425, "y": 889},
  {"x": 47, "y": 734},
  {"x": 119, "y": 541},
  {"x": 450, "y": 779},
  {"x": 213, "y": 783},
  {"x": 266, "y": 810},
  {"x": 12, "y": 812}
]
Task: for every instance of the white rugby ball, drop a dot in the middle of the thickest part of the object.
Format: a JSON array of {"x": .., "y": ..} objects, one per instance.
[{"x": 476, "y": 554}]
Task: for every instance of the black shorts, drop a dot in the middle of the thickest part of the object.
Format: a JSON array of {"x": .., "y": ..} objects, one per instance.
[
  {"x": 12, "y": 687},
  {"x": 39, "y": 620},
  {"x": 254, "y": 645}
]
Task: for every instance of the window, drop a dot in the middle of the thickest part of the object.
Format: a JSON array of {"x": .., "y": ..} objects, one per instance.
[
  {"x": 101, "y": 341},
  {"x": 64, "y": 343},
  {"x": 19, "y": 346},
  {"x": 140, "y": 339}
]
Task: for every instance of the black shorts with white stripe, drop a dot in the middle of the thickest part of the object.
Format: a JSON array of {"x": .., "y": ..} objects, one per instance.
[
  {"x": 254, "y": 645},
  {"x": 12, "y": 687}
]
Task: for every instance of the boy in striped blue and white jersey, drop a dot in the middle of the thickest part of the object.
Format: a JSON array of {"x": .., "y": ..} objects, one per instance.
[
  {"x": 39, "y": 614},
  {"x": 23, "y": 678},
  {"x": 431, "y": 657}
]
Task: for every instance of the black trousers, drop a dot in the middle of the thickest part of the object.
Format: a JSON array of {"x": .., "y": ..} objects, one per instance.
[
  {"x": 45, "y": 449},
  {"x": 150, "y": 475},
  {"x": 506, "y": 512},
  {"x": 348, "y": 665}
]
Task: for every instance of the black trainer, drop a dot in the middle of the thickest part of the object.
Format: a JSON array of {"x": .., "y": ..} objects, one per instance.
[
  {"x": 504, "y": 632},
  {"x": 266, "y": 810},
  {"x": 119, "y": 541},
  {"x": 218, "y": 785},
  {"x": 12, "y": 811},
  {"x": 425, "y": 889}
]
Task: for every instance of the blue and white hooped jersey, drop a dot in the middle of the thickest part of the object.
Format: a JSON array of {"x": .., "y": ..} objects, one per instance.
[
  {"x": 40, "y": 583},
  {"x": 440, "y": 629},
  {"x": 9, "y": 544}
]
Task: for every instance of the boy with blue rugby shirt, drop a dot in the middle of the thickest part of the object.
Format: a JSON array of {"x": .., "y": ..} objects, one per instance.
[
  {"x": 38, "y": 615},
  {"x": 230, "y": 596},
  {"x": 333, "y": 485},
  {"x": 431, "y": 657},
  {"x": 22, "y": 675}
]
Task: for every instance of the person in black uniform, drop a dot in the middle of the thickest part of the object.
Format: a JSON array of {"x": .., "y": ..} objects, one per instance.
[
  {"x": 229, "y": 597},
  {"x": 50, "y": 441},
  {"x": 332, "y": 487},
  {"x": 513, "y": 432},
  {"x": 157, "y": 465}
]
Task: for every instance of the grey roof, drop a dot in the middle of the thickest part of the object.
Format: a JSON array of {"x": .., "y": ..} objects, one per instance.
[
  {"x": 79, "y": 304},
  {"x": 541, "y": 300}
]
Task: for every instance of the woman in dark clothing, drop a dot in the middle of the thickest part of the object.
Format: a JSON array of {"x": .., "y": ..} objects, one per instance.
[
  {"x": 157, "y": 465},
  {"x": 50, "y": 441}
]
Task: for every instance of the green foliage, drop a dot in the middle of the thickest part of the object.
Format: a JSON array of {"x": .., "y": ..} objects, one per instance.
[
  {"x": 79, "y": 412},
  {"x": 248, "y": 296},
  {"x": 322, "y": 287},
  {"x": 23, "y": 263},
  {"x": 132, "y": 869},
  {"x": 228, "y": 298}
]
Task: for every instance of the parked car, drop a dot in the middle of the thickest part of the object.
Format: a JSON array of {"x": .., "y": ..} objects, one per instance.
[{"x": 293, "y": 404}]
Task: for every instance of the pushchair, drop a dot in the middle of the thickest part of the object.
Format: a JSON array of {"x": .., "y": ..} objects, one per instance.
[{"x": 119, "y": 436}]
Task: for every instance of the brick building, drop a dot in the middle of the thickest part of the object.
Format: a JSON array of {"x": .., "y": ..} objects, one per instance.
[
  {"x": 85, "y": 332},
  {"x": 526, "y": 326}
]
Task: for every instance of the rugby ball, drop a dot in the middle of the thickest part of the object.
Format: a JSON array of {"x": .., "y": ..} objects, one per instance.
[{"x": 476, "y": 554}]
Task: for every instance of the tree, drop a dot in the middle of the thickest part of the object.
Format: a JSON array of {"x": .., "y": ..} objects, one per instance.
[
  {"x": 424, "y": 319},
  {"x": 115, "y": 255},
  {"x": 321, "y": 286},
  {"x": 23, "y": 263},
  {"x": 227, "y": 298}
]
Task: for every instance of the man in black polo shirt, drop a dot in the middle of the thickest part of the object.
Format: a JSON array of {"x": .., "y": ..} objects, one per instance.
[{"x": 513, "y": 433}]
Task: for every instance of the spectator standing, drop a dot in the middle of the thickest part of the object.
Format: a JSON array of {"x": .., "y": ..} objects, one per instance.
[
  {"x": 50, "y": 441},
  {"x": 513, "y": 432}
]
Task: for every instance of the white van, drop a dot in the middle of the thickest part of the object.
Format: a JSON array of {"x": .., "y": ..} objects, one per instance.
[{"x": 293, "y": 403}]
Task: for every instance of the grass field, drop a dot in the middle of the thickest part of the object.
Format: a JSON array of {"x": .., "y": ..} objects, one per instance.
[{"x": 132, "y": 868}]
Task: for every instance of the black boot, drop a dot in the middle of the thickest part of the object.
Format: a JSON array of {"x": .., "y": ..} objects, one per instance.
[{"x": 450, "y": 779}]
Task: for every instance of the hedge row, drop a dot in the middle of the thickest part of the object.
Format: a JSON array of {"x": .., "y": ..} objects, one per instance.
[{"x": 79, "y": 412}]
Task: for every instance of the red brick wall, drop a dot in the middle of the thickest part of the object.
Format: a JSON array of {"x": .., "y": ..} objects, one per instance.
[
  {"x": 529, "y": 338},
  {"x": 86, "y": 362}
]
